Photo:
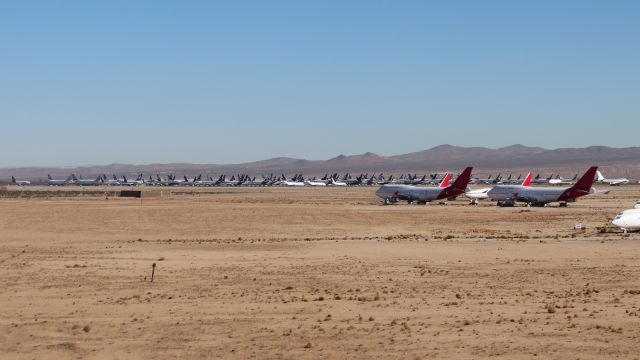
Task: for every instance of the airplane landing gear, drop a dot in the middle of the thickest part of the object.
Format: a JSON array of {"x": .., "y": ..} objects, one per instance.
[
  {"x": 563, "y": 204},
  {"x": 506, "y": 203},
  {"x": 389, "y": 201},
  {"x": 473, "y": 202}
]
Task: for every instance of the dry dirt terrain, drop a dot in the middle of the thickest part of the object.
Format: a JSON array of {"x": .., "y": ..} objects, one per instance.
[{"x": 264, "y": 273}]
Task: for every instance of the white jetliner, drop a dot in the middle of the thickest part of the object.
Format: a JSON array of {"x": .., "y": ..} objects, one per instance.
[
  {"x": 81, "y": 181},
  {"x": 423, "y": 195},
  {"x": 314, "y": 183},
  {"x": 51, "y": 181},
  {"x": 481, "y": 194},
  {"x": 292, "y": 183},
  {"x": 559, "y": 180},
  {"x": 20, "y": 182},
  {"x": 337, "y": 183},
  {"x": 628, "y": 220},
  {"x": 138, "y": 181},
  {"x": 507, "y": 195},
  {"x": 612, "y": 182},
  {"x": 113, "y": 181}
]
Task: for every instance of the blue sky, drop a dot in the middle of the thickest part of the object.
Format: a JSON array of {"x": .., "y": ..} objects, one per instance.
[{"x": 88, "y": 82}]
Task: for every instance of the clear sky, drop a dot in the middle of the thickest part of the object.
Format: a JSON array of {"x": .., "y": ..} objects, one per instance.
[{"x": 96, "y": 82}]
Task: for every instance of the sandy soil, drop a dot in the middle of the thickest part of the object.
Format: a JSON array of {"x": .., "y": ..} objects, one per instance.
[{"x": 315, "y": 273}]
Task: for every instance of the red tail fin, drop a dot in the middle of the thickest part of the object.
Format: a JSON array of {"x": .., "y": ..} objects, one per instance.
[
  {"x": 527, "y": 180},
  {"x": 458, "y": 187},
  {"x": 462, "y": 181},
  {"x": 585, "y": 182},
  {"x": 445, "y": 181}
]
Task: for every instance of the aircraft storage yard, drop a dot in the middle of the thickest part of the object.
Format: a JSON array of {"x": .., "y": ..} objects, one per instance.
[
  {"x": 319, "y": 180},
  {"x": 312, "y": 272}
]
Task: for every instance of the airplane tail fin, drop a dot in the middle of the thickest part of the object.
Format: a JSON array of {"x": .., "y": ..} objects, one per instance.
[
  {"x": 585, "y": 182},
  {"x": 13, "y": 179},
  {"x": 445, "y": 181},
  {"x": 462, "y": 181},
  {"x": 527, "y": 180},
  {"x": 600, "y": 177},
  {"x": 49, "y": 176}
]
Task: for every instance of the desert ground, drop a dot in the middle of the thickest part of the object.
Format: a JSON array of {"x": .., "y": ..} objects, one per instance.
[{"x": 268, "y": 273}]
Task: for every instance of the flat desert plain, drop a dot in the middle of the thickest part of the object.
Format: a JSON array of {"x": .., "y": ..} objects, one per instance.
[{"x": 268, "y": 273}]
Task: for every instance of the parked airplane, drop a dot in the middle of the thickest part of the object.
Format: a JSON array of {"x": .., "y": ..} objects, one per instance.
[
  {"x": 172, "y": 181},
  {"x": 206, "y": 182},
  {"x": 423, "y": 195},
  {"x": 558, "y": 180},
  {"x": 297, "y": 180},
  {"x": 337, "y": 183},
  {"x": 628, "y": 220},
  {"x": 51, "y": 181},
  {"x": 481, "y": 194},
  {"x": 138, "y": 181},
  {"x": 20, "y": 182},
  {"x": 113, "y": 181},
  {"x": 507, "y": 195},
  {"x": 81, "y": 181},
  {"x": 612, "y": 182},
  {"x": 314, "y": 183}
]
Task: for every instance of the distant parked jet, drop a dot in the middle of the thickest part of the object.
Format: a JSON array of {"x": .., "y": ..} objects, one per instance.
[
  {"x": 20, "y": 182},
  {"x": 612, "y": 182},
  {"x": 81, "y": 181},
  {"x": 51, "y": 181}
]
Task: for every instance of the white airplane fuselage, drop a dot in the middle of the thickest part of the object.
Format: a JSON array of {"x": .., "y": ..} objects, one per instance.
[
  {"x": 337, "y": 183},
  {"x": 292, "y": 183},
  {"x": 612, "y": 182},
  {"x": 628, "y": 220},
  {"x": 479, "y": 194},
  {"x": 615, "y": 182},
  {"x": 314, "y": 183}
]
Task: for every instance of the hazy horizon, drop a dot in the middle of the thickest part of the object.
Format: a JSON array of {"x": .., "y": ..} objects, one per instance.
[{"x": 225, "y": 83}]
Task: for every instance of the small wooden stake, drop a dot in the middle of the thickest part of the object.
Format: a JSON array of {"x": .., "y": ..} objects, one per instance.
[{"x": 153, "y": 271}]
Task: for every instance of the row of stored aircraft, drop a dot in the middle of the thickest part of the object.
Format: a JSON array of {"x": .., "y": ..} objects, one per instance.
[
  {"x": 503, "y": 195},
  {"x": 222, "y": 180},
  {"x": 300, "y": 180}
]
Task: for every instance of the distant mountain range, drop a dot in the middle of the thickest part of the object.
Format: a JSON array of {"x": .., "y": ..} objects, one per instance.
[{"x": 514, "y": 158}]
